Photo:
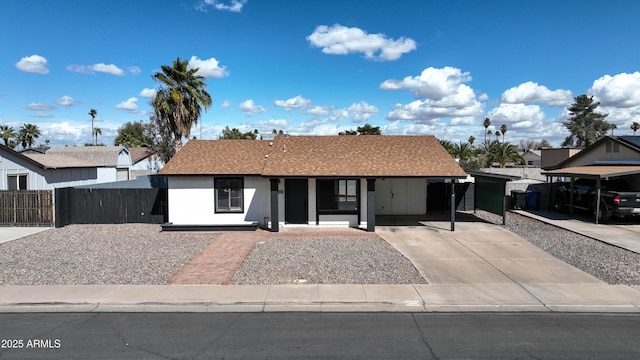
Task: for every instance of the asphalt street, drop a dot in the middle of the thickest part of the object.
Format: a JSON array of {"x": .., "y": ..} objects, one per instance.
[{"x": 319, "y": 335}]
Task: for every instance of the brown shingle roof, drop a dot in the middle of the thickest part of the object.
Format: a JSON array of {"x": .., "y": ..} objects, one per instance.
[
  {"x": 139, "y": 153},
  {"x": 357, "y": 156},
  {"x": 218, "y": 157}
]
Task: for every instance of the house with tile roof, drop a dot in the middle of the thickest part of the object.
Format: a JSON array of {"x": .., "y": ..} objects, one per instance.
[{"x": 312, "y": 180}]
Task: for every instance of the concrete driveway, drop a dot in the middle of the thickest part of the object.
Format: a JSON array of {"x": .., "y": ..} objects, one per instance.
[
  {"x": 485, "y": 263},
  {"x": 8, "y": 233}
]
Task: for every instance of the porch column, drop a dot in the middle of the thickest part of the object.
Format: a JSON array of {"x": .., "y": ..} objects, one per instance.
[
  {"x": 453, "y": 205},
  {"x": 371, "y": 205},
  {"x": 274, "y": 204}
]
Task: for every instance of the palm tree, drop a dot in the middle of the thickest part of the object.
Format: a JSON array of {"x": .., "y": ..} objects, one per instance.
[
  {"x": 7, "y": 133},
  {"x": 463, "y": 151},
  {"x": 471, "y": 140},
  {"x": 486, "y": 125},
  {"x": 181, "y": 96},
  {"x": 635, "y": 127},
  {"x": 503, "y": 154},
  {"x": 96, "y": 132},
  {"x": 28, "y": 134},
  {"x": 497, "y": 134},
  {"x": 503, "y": 129},
  {"x": 93, "y": 114},
  {"x": 449, "y": 146}
]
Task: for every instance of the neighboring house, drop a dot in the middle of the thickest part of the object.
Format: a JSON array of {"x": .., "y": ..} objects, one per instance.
[
  {"x": 532, "y": 158},
  {"x": 611, "y": 156},
  {"x": 37, "y": 171},
  {"x": 144, "y": 162},
  {"x": 315, "y": 180},
  {"x": 113, "y": 161},
  {"x": 553, "y": 156}
]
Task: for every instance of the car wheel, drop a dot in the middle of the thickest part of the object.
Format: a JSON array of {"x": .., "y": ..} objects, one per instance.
[
  {"x": 603, "y": 215},
  {"x": 559, "y": 205}
]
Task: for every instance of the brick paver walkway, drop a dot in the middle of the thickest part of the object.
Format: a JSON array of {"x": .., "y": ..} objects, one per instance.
[{"x": 218, "y": 262}]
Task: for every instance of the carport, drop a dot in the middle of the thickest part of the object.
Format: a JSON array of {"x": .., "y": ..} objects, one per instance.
[{"x": 597, "y": 172}]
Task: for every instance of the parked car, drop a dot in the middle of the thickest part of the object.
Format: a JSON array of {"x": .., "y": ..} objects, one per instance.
[{"x": 616, "y": 198}]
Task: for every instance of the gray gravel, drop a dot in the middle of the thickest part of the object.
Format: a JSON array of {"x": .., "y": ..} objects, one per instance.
[
  {"x": 326, "y": 261},
  {"x": 98, "y": 254},
  {"x": 606, "y": 262}
]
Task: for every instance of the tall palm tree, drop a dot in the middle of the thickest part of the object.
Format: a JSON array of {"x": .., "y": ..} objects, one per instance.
[
  {"x": 96, "y": 132},
  {"x": 497, "y": 134},
  {"x": 28, "y": 134},
  {"x": 7, "y": 133},
  {"x": 471, "y": 140},
  {"x": 180, "y": 98},
  {"x": 503, "y": 129},
  {"x": 486, "y": 125},
  {"x": 635, "y": 127},
  {"x": 93, "y": 114}
]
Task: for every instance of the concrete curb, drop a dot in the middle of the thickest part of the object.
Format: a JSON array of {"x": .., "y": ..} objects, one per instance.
[{"x": 320, "y": 298}]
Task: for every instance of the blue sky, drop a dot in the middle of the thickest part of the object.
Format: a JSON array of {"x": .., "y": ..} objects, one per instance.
[{"x": 320, "y": 67}]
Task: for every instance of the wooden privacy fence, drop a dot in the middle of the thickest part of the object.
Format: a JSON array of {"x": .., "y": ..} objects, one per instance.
[
  {"x": 110, "y": 206},
  {"x": 26, "y": 208}
]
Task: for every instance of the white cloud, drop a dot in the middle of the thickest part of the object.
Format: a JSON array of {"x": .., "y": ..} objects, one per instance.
[
  {"x": 516, "y": 116},
  {"x": 129, "y": 105},
  {"x": 317, "y": 110},
  {"x": 293, "y": 103},
  {"x": 342, "y": 40},
  {"x": 225, "y": 104},
  {"x": 42, "y": 115},
  {"x": 250, "y": 109},
  {"x": 209, "y": 68},
  {"x": 232, "y": 6},
  {"x": 444, "y": 92},
  {"x": 33, "y": 64},
  {"x": 64, "y": 132},
  {"x": 147, "y": 93},
  {"x": 531, "y": 92},
  {"x": 621, "y": 90},
  {"x": 432, "y": 83},
  {"x": 65, "y": 101},
  {"x": 92, "y": 69},
  {"x": 362, "y": 111},
  {"x": 39, "y": 107},
  {"x": 135, "y": 70}
]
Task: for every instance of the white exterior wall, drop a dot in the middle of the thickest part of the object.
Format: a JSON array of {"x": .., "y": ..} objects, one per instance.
[
  {"x": 192, "y": 201},
  {"x": 401, "y": 196}
]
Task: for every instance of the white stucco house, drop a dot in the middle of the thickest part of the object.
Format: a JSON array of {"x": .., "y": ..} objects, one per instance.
[{"x": 304, "y": 180}]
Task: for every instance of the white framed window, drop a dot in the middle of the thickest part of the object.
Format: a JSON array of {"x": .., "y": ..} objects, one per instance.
[
  {"x": 229, "y": 195},
  {"x": 17, "y": 182}
]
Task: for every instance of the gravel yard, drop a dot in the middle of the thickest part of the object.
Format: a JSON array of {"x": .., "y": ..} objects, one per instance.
[
  {"x": 606, "y": 262},
  {"x": 98, "y": 254},
  {"x": 326, "y": 261}
]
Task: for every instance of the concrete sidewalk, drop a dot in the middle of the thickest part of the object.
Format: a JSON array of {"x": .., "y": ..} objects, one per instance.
[{"x": 322, "y": 298}]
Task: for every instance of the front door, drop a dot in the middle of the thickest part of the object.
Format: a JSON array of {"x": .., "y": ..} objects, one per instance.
[{"x": 295, "y": 201}]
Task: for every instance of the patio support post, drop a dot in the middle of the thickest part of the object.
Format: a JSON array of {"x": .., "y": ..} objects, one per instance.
[
  {"x": 597, "y": 199},
  {"x": 274, "y": 204},
  {"x": 371, "y": 205},
  {"x": 571, "y": 193},
  {"x": 453, "y": 205}
]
